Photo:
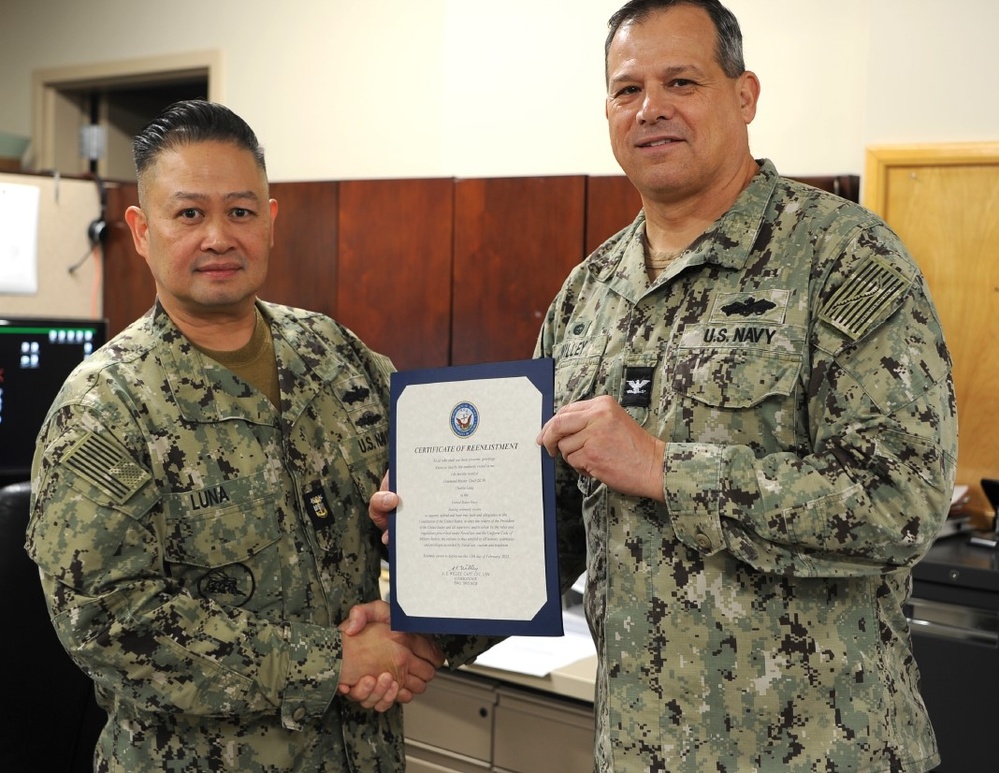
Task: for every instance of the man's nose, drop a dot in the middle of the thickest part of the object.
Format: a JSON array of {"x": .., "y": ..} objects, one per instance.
[
  {"x": 217, "y": 235},
  {"x": 656, "y": 105}
]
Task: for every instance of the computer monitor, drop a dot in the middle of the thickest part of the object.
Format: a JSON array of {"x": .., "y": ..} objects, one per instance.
[{"x": 36, "y": 356}]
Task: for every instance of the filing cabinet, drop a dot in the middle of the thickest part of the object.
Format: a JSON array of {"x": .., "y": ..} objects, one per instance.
[
  {"x": 450, "y": 726},
  {"x": 466, "y": 723},
  {"x": 538, "y": 734}
]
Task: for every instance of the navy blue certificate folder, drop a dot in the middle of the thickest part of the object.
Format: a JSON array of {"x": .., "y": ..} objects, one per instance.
[{"x": 473, "y": 544}]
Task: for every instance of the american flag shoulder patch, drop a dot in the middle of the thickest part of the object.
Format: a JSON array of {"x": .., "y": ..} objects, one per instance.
[
  {"x": 104, "y": 462},
  {"x": 866, "y": 297}
]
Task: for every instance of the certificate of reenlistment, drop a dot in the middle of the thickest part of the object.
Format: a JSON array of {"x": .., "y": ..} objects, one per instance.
[{"x": 472, "y": 546}]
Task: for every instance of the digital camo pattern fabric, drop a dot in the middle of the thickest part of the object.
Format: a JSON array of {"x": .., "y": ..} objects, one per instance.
[
  {"x": 795, "y": 365},
  {"x": 198, "y": 547}
]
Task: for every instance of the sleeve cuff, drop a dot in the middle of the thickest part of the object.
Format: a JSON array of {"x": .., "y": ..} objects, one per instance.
[
  {"x": 692, "y": 488},
  {"x": 314, "y": 657}
]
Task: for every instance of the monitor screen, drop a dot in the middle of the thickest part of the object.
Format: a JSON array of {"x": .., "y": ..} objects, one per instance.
[{"x": 36, "y": 355}]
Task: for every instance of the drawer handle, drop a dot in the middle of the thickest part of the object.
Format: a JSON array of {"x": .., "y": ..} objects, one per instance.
[{"x": 952, "y": 632}]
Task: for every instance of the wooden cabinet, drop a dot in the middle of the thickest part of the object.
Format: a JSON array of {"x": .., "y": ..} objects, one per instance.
[
  {"x": 303, "y": 264},
  {"x": 612, "y": 202},
  {"x": 129, "y": 290},
  {"x": 430, "y": 272}
]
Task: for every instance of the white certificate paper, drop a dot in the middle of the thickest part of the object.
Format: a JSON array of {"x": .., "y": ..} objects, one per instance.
[{"x": 472, "y": 546}]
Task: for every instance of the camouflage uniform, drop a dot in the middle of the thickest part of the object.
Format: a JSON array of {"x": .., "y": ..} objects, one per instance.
[
  {"x": 198, "y": 547},
  {"x": 795, "y": 366}
]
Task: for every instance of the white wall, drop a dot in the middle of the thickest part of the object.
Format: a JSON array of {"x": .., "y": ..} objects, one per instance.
[
  {"x": 933, "y": 72},
  {"x": 340, "y": 89}
]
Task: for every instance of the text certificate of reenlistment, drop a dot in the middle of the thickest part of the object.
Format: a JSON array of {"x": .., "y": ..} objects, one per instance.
[{"x": 472, "y": 546}]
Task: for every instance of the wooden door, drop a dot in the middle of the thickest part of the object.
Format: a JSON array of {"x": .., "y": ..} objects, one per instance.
[{"x": 943, "y": 200}]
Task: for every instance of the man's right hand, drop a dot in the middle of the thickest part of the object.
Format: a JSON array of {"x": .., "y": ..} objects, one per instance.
[
  {"x": 600, "y": 439},
  {"x": 410, "y": 659},
  {"x": 381, "y": 691}
]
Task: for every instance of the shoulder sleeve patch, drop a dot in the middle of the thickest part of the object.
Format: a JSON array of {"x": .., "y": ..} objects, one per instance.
[
  {"x": 865, "y": 298},
  {"x": 104, "y": 462}
]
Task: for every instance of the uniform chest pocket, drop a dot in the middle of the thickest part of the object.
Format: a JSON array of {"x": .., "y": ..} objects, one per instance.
[
  {"x": 579, "y": 367},
  {"x": 221, "y": 535},
  {"x": 230, "y": 554},
  {"x": 577, "y": 364},
  {"x": 735, "y": 378}
]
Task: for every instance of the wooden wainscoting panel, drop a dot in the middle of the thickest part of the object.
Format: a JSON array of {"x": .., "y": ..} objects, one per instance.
[
  {"x": 612, "y": 203},
  {"x": 395, "y": 267},
  {"x": 515, "y": 241},
  {"x": 303, "y": 263}
]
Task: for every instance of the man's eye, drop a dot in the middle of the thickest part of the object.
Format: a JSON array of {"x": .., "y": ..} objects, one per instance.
[
  {"x": 240, "y": 212},
  {"x": 626, "y": 91},
  {"x": 188, "y": 214}
]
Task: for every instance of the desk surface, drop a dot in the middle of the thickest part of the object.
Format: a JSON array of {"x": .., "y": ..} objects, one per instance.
[
  {"x": 951, "y": 561},
  {"x": 573, "y": 681}
]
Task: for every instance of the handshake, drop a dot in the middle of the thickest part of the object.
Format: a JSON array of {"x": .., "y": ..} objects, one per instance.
[{"x": 382, "y": 667}]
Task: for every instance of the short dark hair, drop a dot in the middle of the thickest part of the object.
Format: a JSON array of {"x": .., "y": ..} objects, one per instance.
[
  {"x": 190, "y": 121},
  {"x": 728, "y": 49}
]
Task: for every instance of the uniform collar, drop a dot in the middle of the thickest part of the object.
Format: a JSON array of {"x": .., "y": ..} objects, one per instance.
[
  {"x": 205, "y": 391},
  {"x": 727, "y": 243}
]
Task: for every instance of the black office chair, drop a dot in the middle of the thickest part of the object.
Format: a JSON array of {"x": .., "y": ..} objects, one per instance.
[{"x": 50, "y": 719}]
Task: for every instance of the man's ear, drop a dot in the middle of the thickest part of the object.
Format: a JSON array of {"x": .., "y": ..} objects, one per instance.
[
  {"x": 749, "y": 95},
  {"x": 137, "y": 224},
  {"x": 274, "y": 211}
]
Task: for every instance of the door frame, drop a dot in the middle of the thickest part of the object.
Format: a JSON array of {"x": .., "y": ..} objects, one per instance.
[
  {"x": 882, "y": 159},
  {"x": 57, "y": 117}
]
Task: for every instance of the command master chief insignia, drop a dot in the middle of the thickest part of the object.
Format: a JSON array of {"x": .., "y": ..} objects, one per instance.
[
  {"x": 231, "y": 585},
  {"x": 317, "y": 506}
]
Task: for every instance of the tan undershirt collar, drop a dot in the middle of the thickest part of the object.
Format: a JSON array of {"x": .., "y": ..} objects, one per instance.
[
  {"x": 255, "y": 362},
  {"x": 657, "y": 261}
]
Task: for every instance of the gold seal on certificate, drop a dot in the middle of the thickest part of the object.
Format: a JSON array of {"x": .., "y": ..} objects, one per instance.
[{"x": 472, "y": 546}]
